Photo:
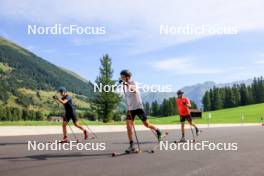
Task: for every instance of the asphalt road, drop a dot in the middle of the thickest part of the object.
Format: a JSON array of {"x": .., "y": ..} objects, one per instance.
[{"x": 15, "y": 159}]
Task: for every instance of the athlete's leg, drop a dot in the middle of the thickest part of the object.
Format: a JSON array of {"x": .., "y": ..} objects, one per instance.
[
  {"x": 182, "y": 129},
  {"x": 129, "y": 124},
  {"x": 192, "y": 124},
  {"x": 149, "y": 125},
  {"x": 77, "y": 124},
  {"x": 64, "y": 129},
  {"x": 153, "y": 128},
  {"x": 142, "y": 115}
]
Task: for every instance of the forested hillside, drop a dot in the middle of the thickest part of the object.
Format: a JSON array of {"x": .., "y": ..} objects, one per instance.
[
  {"x": 237, "y": 95},
  {"x": 26, "y": 80}
]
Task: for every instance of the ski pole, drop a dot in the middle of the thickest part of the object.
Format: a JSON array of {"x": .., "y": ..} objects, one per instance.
[
  {"x": 90, "y": 130},
  {"x": 136, "y": 137},
  {"x": 155, "y": 134},
  {"x": 131, "y": 117},
  {"x": 77, "y": 140},
  {"x": 192, "y": 134}
]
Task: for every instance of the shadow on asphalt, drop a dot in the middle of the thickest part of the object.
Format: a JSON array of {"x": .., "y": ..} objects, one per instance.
[
  {"x": 146, "y": 142},
  {"x": 13, "y": 143},
  {"x": 51, "y": 156}
]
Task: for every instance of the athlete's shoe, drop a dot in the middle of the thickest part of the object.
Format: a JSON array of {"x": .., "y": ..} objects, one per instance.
[
  {"x": 197, "y": 131},
  {"x": 182, "y": 140},
  {"x": 131, "y": 148},
  {"x": 85, "y": 135},
  {"x": 159, "y": 134},
  {"x": 64, "y": 140}
]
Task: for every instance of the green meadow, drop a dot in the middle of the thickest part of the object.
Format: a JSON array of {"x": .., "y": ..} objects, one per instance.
[{"x": 243, "y": 114}]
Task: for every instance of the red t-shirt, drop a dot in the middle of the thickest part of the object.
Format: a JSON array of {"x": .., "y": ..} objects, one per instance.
[{"x": 183, "y": 110}]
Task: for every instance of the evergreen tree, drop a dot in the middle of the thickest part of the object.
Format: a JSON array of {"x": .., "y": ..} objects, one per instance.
[
  {"x": 250, "y": 95},
  {"x": 174, "y": 107},
  {"x": 237, "y": 96},
  {"x": 40, "y": 116},
  {"x": 165, "y": 108},
  {"x": 147, "y": 108},
  {"x": 230, "y": 98},
  {"x": 218, "y": 104},
  {"x": 155, "y": 109},
  {"x": 206, "y": 101},
  {"x": 2, "y": 114},
  {"x": 211, "y": 99},
  {"x": 261, "y": 89},
  {"x": 25, "y": 115},
  {"x": 255, "y": 93},
  {"x": 106, "y": 101},
  {"x": 171, "y": 105},
  {"x": 8, "y": 114},
  {"x": 222, "y": 95},
  {"x": 244, "y": 95},
  {"x": 193, "y": 104}
]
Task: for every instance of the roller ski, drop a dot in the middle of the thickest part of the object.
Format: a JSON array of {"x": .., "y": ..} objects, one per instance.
[
  {"x": 125, "y": 153},
  {"x": 182, "y": 140},
  {"x": 63, "y": 141},
  {"x": 131, "y": 150}
]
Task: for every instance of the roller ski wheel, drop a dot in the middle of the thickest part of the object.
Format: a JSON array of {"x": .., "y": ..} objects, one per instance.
[
  {"x": 114, "y": 154},
  {"x": 64, "y": 141}
]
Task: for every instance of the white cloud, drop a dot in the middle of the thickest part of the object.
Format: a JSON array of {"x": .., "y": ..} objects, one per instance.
[
  {"x": 261, "y": 55},
  {"x": 31, "y": 47},
  {"x": 260, "y": 61},
  {"x": 128, "y": 12},
  {"x": 4, "y": 34},
  {"x": 48, "y": 50},
  {"x": 144, "y": 17},
  {"x": 74, "y": 54},
  {"x": 181, "y": 66}
]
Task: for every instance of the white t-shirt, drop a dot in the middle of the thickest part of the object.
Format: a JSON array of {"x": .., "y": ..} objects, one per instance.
[{"x": 133, "y": 99}]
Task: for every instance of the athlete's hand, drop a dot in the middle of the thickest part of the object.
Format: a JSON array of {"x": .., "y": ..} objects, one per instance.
[
  {"x": 186, "y": 105},
  {"x": 55, "y": 97},
  {"x": 120, "y": 81}
]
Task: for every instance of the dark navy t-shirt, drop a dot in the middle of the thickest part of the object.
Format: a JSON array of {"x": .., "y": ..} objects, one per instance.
[{"x": 69, "y": 107}]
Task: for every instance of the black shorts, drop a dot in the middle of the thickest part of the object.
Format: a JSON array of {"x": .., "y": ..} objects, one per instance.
[
  {"x": 138, "y": 112},
  {"x": 70, "y": 116},
  {"x": 186, "y": 117}
]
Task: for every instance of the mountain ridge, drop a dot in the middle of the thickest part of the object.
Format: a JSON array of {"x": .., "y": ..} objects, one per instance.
[
  {"x": 41, "y": 74},
  {"x": 28, "y": 82}
]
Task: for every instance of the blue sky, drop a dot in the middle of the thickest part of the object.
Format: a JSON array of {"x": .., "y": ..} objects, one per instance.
[{"x": 133, "y": 40}]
